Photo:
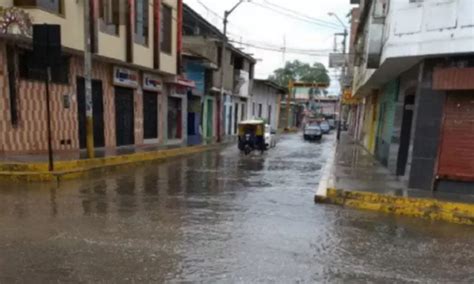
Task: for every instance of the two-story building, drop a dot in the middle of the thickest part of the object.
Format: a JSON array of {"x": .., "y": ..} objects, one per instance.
[
  {"x": 224, "y": 103},
  {"x": 414, "y": 64},
  {"x": 138, "y": 96}
]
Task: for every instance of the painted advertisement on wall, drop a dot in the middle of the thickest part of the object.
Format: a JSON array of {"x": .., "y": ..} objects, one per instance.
[{"x": 196, "y": 72}]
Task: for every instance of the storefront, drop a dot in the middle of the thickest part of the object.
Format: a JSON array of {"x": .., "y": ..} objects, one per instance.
[
  {"x": 152, "y": 88},
  {"x": 175, "y": 122},
  {"x": 194, "y": 119},
  {"x": 456, "y": 150},
  {"x": 125, "y": 82},
  {"x": 195, "y": 72},
  {"x": 386, "y": 113},
  {"x": 177, "y": 117}
]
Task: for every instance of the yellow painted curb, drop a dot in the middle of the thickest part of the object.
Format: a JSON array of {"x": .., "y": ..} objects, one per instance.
[
  {"x": 427, "y": 208},
  {"x": 291, "y": 130},
  {"x": 37, "y": 172}
]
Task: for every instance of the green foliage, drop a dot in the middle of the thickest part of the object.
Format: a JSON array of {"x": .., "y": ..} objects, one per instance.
[{"x": 301, "y": 72}]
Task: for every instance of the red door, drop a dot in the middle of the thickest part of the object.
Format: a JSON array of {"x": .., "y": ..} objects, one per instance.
[{"x": 456, "y": 158}]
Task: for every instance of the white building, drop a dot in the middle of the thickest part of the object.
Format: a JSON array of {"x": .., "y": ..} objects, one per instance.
[
  {"x": 414, "y": 70},
  {"x": 395, "y": 35},
  {"x": 265, "y": 101}
]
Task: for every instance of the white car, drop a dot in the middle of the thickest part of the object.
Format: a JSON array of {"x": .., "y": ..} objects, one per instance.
[{"x": 270, "y": 137}]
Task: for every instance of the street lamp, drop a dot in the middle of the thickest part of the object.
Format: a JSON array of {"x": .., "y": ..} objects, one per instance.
[
  {"x": 224, "y": 45},
  {"x": 343, "y": 80}
]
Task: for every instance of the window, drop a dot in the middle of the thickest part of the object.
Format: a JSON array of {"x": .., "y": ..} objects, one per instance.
[
  {"x": 219, "y": 56},
  {"x": 53, "y": 6},
  {"x": 251, "y": 71},
  {"x": 166, "y": 29},
  {"x": 141, "y": 21},
  {"x": 269, "y": 114},
  {"x": 260, "y": 107},
  {"x": 109, "y": 16},
  {"x": 238, "y": 63},
  {"x": 28, "y": 70}
]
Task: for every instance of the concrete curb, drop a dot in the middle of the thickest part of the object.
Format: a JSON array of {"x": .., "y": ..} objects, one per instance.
[
  {"x": 37, "y": 172},
  {"x": 431, "y": 209}
]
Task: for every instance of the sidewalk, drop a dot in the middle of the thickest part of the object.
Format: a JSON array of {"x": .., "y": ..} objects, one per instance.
[
  {"x": 69, "y": 166},
  {"x": 356, "y": 179}
]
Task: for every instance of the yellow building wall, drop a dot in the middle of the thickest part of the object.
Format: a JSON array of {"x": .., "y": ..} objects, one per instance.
[
  {"x": 110, "y": 46},
  {"x": 143, "y": 54},
  {"x": 72, "y": 27},
  {"x": 168, "y": 61},
  {"x": 6, "y": 3},
  {"x": 113, "y": 46}
]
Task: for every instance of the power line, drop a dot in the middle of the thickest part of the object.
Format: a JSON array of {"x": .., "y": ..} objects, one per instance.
[
  {"x": 292, "y": 16},
  {"x": 286, "y": 9},
  {"x": 284, "y": 47},
  {"x": 281, "y": 49}
]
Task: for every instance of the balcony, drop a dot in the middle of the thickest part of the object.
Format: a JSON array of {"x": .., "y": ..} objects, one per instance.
[
  {"x": 202, "y": 47},
  {"x": 241, "y": 83},
  {"x": 410, "y": 33}
]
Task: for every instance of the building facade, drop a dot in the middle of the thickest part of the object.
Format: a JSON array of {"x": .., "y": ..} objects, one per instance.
[
  {"x": 264, "y": 102},
  {"x": 413, "y": 61},
  {"x": 138, "y": 94}
]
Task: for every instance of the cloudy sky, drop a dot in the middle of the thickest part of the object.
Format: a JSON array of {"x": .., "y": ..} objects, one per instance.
[{"x": 303, "y": 26}]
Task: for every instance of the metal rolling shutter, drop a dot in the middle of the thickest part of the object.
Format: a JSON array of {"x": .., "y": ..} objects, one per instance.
[{"x": 456, "y": 161}]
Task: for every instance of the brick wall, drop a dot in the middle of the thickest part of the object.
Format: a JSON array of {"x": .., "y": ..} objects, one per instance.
[{"x": 29, "y": 135}]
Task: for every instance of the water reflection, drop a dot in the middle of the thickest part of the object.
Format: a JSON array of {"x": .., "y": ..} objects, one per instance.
[{"x": 218, "y": 217}]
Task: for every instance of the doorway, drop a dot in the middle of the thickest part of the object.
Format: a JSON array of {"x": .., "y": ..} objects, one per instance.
[
  {"x": 97, "y": 112},
  {"x": 405, "y": 135},
  {"x": 236, "y": 118},
  {"x": 124, "y": 116},
  {"x": 150, "y": 115},
  {"x": 209, "y": 118},
  {"x": 174, "y": 118},
  {"x": 229, "y": 121}
]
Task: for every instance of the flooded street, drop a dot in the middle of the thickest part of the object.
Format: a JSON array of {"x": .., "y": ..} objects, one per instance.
[{"x": 218, "y": 217}]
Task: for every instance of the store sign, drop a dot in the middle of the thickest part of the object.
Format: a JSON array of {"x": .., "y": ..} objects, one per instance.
[
  {"x": 152, "y": 83},
  {"x": 348, "y": 99},
  {"x": 186, "y": 83},
  {"x": 337, "y": 60},
  {"x": 125, "y": 77}
]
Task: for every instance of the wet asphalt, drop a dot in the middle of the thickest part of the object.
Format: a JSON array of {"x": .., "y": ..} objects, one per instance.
[{"x": 218, "y": 217}]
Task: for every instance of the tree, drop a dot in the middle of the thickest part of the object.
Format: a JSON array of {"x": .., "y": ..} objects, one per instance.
[{"x": 301, "y": 72}]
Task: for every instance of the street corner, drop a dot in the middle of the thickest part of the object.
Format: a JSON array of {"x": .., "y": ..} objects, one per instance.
[
  {"x": 425, "y": 208},
  {"x": 75, "y": 169}
]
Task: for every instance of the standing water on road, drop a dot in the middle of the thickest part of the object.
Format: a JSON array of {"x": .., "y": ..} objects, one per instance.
[{"x": 218, "y": 217}]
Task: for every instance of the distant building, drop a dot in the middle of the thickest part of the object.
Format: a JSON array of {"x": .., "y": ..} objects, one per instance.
[{"x": 265, "y": 101}]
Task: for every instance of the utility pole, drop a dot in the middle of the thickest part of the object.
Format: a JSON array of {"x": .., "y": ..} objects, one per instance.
[
  {"x": 48, "y": 117},
  {"x": 288, "y": 101},
  {"x": 221, "y": 97},
  {"x": 88, "y": 81},
  {"x": 343, "y": 79}
]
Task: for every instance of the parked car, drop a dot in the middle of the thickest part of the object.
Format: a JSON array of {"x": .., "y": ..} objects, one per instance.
[
  {"x": 312, "y": 132},
  {"x": 270, "y": 137},
  {"x": 325, "y": 128},
  {"x": 332, "y": 123}
]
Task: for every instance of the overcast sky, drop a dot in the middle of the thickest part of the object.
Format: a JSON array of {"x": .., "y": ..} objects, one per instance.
[{"x": 263, "y": 27}]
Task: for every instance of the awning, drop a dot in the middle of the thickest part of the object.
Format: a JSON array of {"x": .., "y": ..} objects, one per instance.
[{"x": 181, "y": 82}]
